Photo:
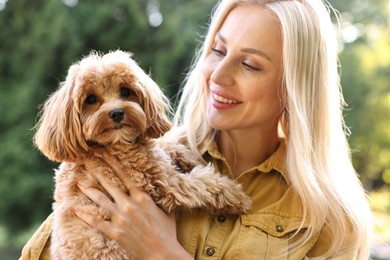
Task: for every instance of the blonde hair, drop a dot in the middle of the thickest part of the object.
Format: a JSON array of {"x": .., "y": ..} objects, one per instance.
[{"x": 318, "y": 156}]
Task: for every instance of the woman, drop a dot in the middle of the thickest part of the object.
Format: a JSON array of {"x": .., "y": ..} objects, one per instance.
[{"x": 263, "y": 103}]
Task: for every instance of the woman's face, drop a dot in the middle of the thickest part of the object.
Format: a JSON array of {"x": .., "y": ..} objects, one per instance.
[{"x": 243, "y": 71}]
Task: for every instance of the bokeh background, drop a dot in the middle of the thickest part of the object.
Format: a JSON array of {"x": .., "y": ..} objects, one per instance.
[{"x": 40, "y": 39}]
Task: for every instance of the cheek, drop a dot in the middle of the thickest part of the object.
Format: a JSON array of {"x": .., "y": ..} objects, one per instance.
[
  {"x": 84, "y": 115},
  {"x": 267, "y": 97},
  {"x": 205, "y": 79},
  {"x": 207, "y": 68},
  {"x": 260, "y": 88},
  {"x": 88, "y": 118},
  {"x": 85, "y": 121}
]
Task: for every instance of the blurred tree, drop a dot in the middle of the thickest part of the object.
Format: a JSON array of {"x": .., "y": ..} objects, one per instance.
[
  {"x": 26, "y": 50},
  {"x": 177, "y": 40},
  {"x": 365, "y": 77}
]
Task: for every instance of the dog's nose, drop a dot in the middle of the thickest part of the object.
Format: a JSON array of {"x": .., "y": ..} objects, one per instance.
[{"x": 117, "y": 115}]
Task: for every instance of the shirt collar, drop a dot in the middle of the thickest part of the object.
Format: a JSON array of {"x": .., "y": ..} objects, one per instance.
[{"x": 277, "y": 160}]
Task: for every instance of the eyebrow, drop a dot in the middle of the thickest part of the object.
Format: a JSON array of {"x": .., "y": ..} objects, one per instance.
[{"x": 247, "y": 50}]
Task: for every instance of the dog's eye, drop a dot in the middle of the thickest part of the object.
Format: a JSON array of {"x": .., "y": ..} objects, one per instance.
[
  {"x": 91, "y": 99},
  {"x": 125, "y": 92}
]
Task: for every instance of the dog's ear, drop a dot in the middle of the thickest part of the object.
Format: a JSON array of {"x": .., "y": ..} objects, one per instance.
[
  {"x": 158, "y": 120},
  {"x": 156, "y": 106},
  {"x": 59, "y": 133}
]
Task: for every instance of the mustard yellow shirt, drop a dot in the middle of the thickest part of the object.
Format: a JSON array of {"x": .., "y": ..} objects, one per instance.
[
  {"x": 261, "y": 234},
  {"x": 264, "y": 232}
]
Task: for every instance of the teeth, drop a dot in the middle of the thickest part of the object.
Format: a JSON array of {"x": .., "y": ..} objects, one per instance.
[{"x": 224, "y": 100}]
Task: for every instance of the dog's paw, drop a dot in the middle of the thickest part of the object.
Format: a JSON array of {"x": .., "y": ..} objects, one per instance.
[
  {"x": 234, "y": 200},
  {"x": 226, "y": 195}
]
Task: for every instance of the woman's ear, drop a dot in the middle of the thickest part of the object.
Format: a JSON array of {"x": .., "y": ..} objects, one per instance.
[{"x": 59, "y": 133}]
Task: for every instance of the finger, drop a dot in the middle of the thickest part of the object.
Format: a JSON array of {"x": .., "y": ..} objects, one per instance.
[
  {"x": 172, "y": 216},
  {"x": 98, "y": 197},
  {"x": 94, "y": 221},
  {"x": 128, "y": 200},
  {"x": 116, "y": 165},
  {"x": 115, "y": 191}
]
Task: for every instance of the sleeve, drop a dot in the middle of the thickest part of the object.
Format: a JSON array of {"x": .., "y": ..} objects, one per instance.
[{"x": 38, "y": 247}]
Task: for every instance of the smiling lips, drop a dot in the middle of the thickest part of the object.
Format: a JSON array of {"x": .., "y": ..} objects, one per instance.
[{"x": 224, "y": 100}]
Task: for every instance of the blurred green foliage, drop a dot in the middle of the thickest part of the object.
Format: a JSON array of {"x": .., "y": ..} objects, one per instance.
[
  {"x": 40, "y": 39},
  {"x": 381, "y": 205},
  {"x": 365, "y": 77}
]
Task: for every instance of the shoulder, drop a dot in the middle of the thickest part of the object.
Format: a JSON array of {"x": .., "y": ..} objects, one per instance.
[{"x": 38, "y": 247}]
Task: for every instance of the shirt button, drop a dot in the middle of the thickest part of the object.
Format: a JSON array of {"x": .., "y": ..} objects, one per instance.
[
  {"x": 210, "y": 251},
  {"x": 279, "y": 228},
  {"x": 221, "y": 218}
]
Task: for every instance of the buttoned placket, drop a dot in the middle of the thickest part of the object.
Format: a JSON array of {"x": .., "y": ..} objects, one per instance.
[{"x": 217, "y": 234}]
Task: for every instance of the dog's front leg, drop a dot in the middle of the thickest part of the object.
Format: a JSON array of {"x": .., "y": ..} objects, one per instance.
[{"x": 203, "y": 188}]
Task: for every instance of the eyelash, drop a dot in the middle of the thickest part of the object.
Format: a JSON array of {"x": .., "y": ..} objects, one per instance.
[
  {"x": 221, "y": 53},
  {"x": 217, "y": 52},
  {"x": 251, "y": 67}
]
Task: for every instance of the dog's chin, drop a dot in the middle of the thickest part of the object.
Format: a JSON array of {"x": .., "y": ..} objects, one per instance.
[{"x": 117, "y": 135}]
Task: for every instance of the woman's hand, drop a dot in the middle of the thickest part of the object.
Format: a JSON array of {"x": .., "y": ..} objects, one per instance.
[{"x": 137, "y": 224}]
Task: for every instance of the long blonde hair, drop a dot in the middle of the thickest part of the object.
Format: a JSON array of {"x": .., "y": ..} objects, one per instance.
[{"x": 318, "y": 155}]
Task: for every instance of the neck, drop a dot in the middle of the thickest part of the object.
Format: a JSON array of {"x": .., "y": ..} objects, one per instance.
[{"x": 244, "y": 150}]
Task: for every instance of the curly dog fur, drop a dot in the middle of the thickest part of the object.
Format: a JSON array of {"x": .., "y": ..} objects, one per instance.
[{"x": 108, "y": 102}]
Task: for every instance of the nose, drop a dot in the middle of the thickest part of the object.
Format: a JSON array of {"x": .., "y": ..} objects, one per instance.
[
  {"x": 223, "y": 73},
  {"x": 117, "y": 115}
]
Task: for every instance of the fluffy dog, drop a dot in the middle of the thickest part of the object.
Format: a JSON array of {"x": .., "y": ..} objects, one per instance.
[{"x": 108, "y": 102}]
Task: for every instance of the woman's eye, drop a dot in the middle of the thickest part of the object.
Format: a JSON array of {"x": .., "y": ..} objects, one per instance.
[
  {"x": 250, "y": 67},
  {"x": 125, "y": 92},
  {"x": 218, "y": 52},
  {"x": 91, "y": 99}
]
